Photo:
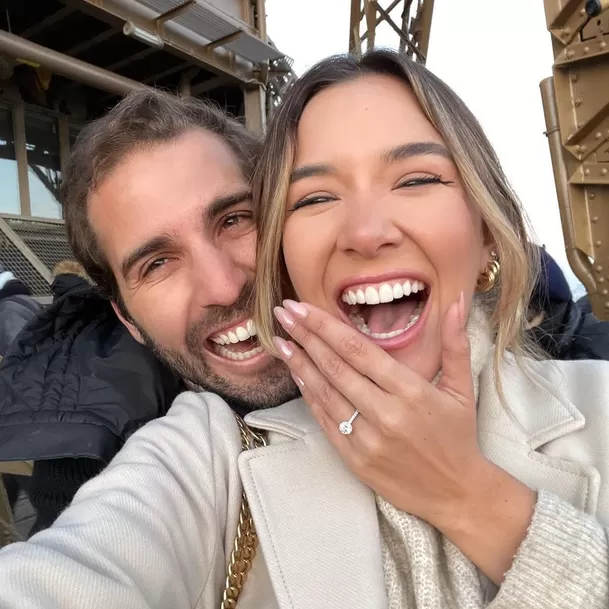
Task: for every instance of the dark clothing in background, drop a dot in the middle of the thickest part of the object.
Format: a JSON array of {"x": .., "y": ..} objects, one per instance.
[{"x": 73, "y": 387}]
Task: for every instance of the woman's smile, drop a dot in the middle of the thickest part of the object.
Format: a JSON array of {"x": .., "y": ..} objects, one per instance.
[{"x": 388, "y": 308}]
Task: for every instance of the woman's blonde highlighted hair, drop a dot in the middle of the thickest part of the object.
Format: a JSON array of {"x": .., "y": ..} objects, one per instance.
[{"x": 476, "y": 161}]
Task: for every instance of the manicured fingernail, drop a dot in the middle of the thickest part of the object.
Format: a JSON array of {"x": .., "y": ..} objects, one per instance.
[
  {"x": 284, "y": 318},
  {"x": 283, "y": 347},
  {"x": 298, "y": 309},
  {"x": 298, "y": 380},
  {"x": 462, "y": 310}
]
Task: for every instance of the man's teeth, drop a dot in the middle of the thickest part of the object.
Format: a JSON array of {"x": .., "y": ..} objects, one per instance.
[
  {"x": 236, "y": 335},
  {"x": 238, "y": 355},
  {"x": 386, "y": 292},
  {"x": 360, "y": 324}
]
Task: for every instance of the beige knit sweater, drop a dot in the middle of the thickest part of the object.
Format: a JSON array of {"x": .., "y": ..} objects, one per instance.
[{"x": 424, "y": 570}]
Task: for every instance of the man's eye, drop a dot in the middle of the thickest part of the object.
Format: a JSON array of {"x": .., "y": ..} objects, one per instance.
[
  {"x": 154, "y": 265},
  {"x": 233, "y": 220}
]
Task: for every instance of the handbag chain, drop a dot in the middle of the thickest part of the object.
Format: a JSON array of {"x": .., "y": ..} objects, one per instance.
[{"x": 246, "y": 540}]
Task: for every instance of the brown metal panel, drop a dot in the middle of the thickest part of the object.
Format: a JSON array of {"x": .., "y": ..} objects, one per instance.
[{"x": 576, "y": 103}]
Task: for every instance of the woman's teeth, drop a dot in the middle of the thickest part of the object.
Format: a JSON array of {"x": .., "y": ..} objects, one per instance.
[
  {"x": 380, "y": 294},
  {"x": 386, "y": 292},
  {"x": 360, "y": 324}
]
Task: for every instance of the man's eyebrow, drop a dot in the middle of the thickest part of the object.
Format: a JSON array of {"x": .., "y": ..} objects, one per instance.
[
  {"x": 220, "y": 204},
  {"x": 151, "y": 246},
  {"x": 311, "y": 171},
  {"x": 406, "y": 151},
  {"x": 164, "y": 242}
]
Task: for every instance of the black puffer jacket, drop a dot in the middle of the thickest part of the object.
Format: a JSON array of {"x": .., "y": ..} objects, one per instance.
[
  {"x": 569, "y": 332},
  {"x": 73, "y": 387},
  {"x": 17, "y": 307}
]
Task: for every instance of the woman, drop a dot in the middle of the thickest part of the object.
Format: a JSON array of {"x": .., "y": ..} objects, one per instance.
[{"x": 385, "y": 212}]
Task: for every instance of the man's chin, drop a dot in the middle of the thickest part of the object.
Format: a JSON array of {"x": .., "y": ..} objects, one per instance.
[
  {"x": 265, "y": 383},
  {"x": 249, "y": 384}
]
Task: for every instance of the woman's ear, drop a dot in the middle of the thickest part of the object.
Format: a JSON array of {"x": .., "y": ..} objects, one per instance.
[{"x": 487, "y": 255}]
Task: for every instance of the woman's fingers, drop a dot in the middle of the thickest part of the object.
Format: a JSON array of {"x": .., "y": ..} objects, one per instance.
[
  {"x": 335, "y": 370},
  {"x": 328, "y": 404}
]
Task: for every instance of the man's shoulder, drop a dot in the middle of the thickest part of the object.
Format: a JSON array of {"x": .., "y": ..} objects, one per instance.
[{"x": 195, "y": 424}]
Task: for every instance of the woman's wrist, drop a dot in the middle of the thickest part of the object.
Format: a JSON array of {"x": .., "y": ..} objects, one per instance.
[{"x": 490, "y": 521}]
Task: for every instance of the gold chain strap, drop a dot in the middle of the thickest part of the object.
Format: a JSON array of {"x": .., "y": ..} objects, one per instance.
[{"x": 246, "y": 540}]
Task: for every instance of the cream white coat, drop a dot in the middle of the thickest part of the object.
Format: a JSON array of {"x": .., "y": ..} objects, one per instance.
[{"x": 155, "y": 529}]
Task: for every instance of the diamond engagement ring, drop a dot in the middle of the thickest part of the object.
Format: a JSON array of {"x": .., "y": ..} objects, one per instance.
[{"x": 346, "y": 427}]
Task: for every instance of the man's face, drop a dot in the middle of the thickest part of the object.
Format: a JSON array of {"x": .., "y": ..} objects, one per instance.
[{"x": 175, "y": 222}]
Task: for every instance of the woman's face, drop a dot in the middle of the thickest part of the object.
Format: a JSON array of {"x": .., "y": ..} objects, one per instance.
[{"x": 379, "y": 230}]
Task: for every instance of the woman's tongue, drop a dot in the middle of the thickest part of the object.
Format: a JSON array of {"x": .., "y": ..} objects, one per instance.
[{"x": 389, "y": 317}]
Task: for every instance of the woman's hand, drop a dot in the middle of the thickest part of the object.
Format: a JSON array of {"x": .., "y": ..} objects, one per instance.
[{"x": 413, "y": 443}]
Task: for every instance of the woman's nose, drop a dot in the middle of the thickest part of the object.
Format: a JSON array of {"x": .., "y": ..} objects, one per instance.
[{"x": 367, "y": 229}]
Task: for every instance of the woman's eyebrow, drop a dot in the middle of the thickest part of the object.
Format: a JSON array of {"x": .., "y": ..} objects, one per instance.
[
  {"x": 412, "y": 149},
  {"x": 311, "y": 171}
]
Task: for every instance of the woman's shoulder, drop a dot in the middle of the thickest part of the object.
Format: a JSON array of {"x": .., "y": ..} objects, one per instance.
[
  {"x": 583, "y": 384},
  {"x": 579, "y": 377}
]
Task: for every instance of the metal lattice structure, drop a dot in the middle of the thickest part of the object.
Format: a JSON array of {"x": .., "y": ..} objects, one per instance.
[
  {"x": 576, "y": 105},
  {"x": 45, "y": 238},
  {"x": 410, "y": 20},
  {"x": 30, "y": 248},
  {"x": 281, "y": 77}
]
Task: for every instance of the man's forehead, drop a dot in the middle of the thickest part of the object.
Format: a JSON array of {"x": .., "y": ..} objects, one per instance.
[{"x": 163, "y": 189}]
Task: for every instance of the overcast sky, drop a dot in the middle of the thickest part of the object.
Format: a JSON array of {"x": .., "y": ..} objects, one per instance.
[{"x": 494, "y": 59}]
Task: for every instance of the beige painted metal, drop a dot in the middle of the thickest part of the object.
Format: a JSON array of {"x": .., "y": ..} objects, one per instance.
[
  {"x": 409, "y": 19},
  {"x": 255, "y": 109},
  {"x": 21, "y": 158},
  {"x": 178, "y": 38},
  {"x": 67, "y": 66},
  {"x": 576, "y": 104}
]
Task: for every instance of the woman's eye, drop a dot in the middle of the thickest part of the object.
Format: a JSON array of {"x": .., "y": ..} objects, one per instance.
[
  {"x": 422, "y": 180},
  {"x": 312, "y": 200}
]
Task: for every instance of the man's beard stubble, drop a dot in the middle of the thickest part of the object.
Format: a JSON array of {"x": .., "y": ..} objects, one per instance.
[{"x": 273, "y": 385}]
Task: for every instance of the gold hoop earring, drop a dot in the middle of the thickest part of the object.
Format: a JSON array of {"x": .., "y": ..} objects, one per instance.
[{"x": 488, "y": 279}]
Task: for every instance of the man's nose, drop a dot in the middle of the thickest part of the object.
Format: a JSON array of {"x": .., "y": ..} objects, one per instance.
[
  {"x": 217, "y": 279},
  {"x": 368, "y": 228}
]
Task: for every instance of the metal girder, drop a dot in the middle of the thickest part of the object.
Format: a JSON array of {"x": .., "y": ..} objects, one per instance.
[
  {"x": 65, "y": 65},
  {"x": 409, "y": 19},
  {"x": 176, "y": 38},
  {"x": 576, "y": 105}
]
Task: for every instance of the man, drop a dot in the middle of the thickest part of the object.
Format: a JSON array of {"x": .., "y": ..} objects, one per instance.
[
  {"x": 564, "y": 329},
  {"x": 157, "y": 208},
  {"x": 158, "y": 212}
]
